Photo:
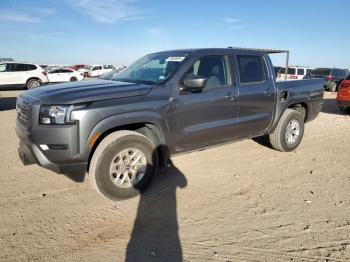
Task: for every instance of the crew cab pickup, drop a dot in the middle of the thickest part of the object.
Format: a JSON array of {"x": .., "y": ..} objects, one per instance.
[{"x": 121, "y": 130}]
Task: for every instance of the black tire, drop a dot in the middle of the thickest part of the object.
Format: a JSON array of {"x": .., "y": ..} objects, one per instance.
[
  {"x": 33, "y": 83},
  {"x": 106, "y": 152},
  {"x": 345, "y": 110},
  {"x": 278, "y": 137},
  {"x": 73, "y": 79}
]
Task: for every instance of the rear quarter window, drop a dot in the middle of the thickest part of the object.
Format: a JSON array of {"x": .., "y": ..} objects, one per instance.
[
  {"x": 31, "y": 67},
  {"x": 251, "y": 69}
]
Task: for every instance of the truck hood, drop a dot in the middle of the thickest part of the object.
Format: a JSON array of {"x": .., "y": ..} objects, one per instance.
[{"x": 86, "y": 91}]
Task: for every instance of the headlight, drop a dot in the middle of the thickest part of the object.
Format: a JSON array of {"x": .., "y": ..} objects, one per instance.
[{"x": 57, "y": 114}]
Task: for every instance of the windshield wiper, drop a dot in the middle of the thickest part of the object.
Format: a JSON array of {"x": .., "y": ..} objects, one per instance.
[{"x": 144, "y": 82}]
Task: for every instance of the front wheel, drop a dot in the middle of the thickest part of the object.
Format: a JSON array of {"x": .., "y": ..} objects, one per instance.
[
  {"x": 289, "y": 132},
  {"x": 73, "y": 79},
  {"x": 123, "y": 165},
  {"x": 345, "y": 110}
]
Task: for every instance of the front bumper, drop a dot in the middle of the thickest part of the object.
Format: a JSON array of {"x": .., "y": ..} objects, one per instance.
[
  {"x": 31, "y": 154},
  {"x": 58, "y": 148}
]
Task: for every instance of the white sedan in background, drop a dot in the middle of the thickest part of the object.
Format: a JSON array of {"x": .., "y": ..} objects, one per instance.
[{"x": 63, "y": 75}]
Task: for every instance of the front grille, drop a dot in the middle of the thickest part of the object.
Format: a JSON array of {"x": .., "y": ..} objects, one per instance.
[{"x": 23, "y": 114}]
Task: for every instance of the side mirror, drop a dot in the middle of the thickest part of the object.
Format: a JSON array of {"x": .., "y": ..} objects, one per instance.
[{"x": 194, "y": 85}]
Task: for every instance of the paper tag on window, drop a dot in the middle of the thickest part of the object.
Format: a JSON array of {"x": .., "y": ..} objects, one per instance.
[{"x": 175, "y": 59}]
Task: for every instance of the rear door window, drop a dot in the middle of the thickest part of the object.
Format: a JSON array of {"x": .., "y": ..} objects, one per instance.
[
  {"x": 251, "y": 69},
  {"x": 18, "y": 67},
  {"x": 300, "y": 72}
]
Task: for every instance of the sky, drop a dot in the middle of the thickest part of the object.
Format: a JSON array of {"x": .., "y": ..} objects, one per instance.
[{"x": 317, "y": 32}]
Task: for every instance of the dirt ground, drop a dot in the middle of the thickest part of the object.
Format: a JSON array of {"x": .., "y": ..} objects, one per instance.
[{"x": 237, "y": 202}]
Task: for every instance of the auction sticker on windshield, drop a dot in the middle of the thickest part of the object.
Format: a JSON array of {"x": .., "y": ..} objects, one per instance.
[{"x": 175, "y": 59}]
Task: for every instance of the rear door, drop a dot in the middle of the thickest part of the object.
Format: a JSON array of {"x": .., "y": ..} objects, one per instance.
[
  {"x": 257, "y": 95},
  {"x": 208, "y": 117}
]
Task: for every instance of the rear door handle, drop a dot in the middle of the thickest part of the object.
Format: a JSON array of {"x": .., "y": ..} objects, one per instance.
[{"x": 268, "y": 92}]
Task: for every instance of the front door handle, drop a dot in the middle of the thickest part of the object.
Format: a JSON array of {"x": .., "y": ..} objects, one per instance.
[
  {"x": 231, "y": 97},
  {"x": 228, "y": 96}
]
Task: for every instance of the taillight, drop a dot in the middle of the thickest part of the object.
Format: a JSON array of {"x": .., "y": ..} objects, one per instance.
[
  {"x": 330, "y": 78},
  {"x": 44, "y": 73},
  {"x": 293, "y": 77},
  {"x": 344, "y": 91}
]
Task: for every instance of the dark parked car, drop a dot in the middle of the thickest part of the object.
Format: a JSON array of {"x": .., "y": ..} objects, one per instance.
[
  {"x": 332, "y": 76},
  {"x": 121, "y": 129}
]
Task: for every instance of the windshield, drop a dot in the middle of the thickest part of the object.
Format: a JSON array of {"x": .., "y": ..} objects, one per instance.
[
  {"x": 88, "y": 67},
  {"x": 153, "y": 68}
]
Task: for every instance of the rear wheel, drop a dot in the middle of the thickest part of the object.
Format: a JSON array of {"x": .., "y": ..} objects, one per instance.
[
  {"x": 289, "y": 132},
  {"x": 123, "y": 165},
  {"x": 33, "y": 83}
]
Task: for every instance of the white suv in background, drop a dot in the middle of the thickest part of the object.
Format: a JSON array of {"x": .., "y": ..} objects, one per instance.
[
  {"x": 15, "y": 75},
  {"x": 294, "y": 73}
]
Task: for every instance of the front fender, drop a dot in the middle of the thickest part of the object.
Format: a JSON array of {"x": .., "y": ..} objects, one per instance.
[{"x": 113, "y": 122}]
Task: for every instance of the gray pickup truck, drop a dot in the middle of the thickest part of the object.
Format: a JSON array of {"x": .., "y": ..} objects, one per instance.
[{"x": 121, "y": 128}]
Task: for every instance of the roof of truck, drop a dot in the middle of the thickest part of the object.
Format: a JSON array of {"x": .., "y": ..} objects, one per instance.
[{"x": 228, "y": 49}]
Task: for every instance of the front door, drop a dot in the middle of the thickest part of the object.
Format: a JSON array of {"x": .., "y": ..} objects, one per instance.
[
  {"x": 5, "y": 75},
  {"x": 208, "y": 117}
]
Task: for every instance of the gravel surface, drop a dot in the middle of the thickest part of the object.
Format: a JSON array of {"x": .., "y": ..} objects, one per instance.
[{"x": 237, "y": 202}]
